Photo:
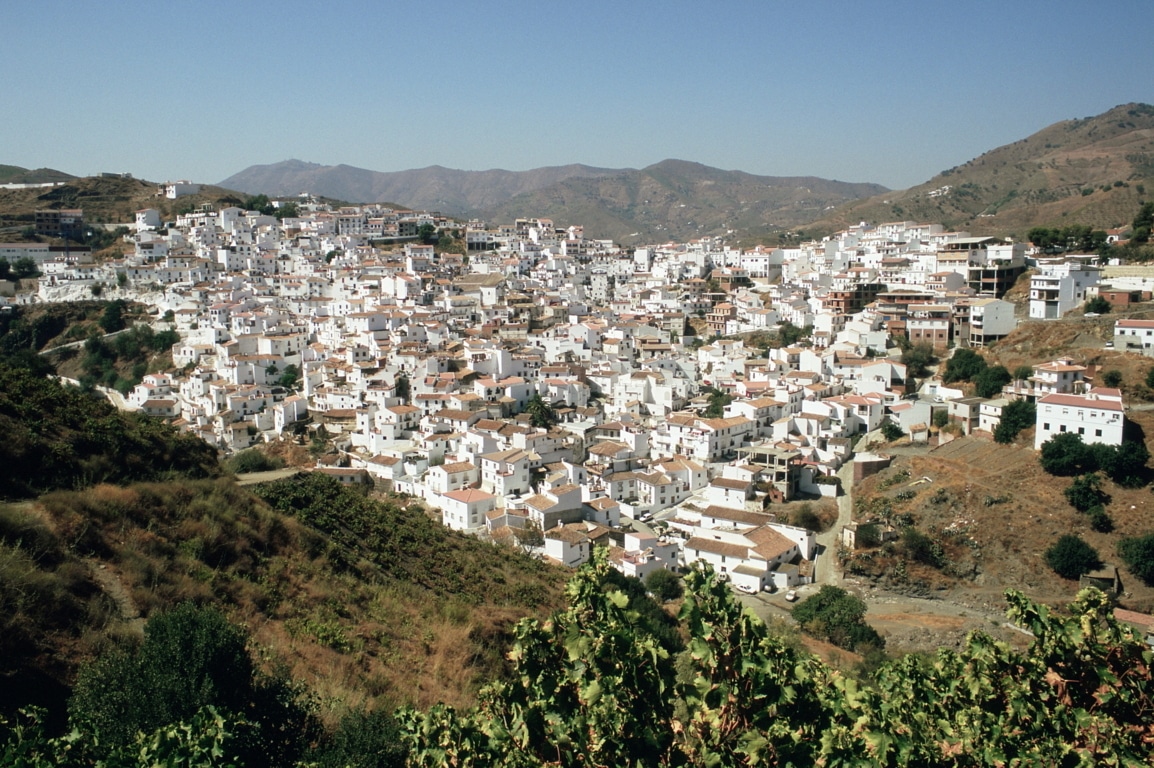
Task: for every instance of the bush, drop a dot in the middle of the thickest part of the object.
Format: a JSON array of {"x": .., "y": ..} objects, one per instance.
[
  {"x": 1098, "y": 305},
  {"x": 1112, "y": 379},
  {"x": 922, "y": 549},
  {"x": 665, "y": 585},
  {"x": 1065, "y": 455},
  {"x": 839, "y": 617},
  {"x": 1100, "y": 520},
  {"x": 989, "y": 382},
  {"x": 1086, "y": 492},
  {"x": 868, "y": 535},
  {"x": 1016, "y": 416},
  {"x": 891, "y": 431},
  {"x": 364, "y": 740},
  {"x": 964, "y": 365},
  {"x": 1070, "y": 557},
  {"x": 253, "y": 460},
  {"x": 191, "y": 657},
  {"x": 1138, "y": 554}
]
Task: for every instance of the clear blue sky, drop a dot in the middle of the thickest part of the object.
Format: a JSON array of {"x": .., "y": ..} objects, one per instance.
[{"x": 888, "y": 92}]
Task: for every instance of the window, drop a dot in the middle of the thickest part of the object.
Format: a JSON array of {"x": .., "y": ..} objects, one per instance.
[
  {"x": 1097, "y": 433},
  {"x": 1046, "y": 426},
  {"x": 1081, "y": 430},
  {"x": 1062, "y": 428}
]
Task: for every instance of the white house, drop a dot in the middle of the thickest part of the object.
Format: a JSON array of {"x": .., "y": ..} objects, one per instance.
[
  {"x": 1097, "y": 416},
  {"x": 1059, "y": 288},
  {"x": 1134, "y": 336},
  {"x": 465, "y": 510}
]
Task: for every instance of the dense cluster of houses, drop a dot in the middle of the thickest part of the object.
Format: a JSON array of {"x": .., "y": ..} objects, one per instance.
[{"x": 421, "y": 365}]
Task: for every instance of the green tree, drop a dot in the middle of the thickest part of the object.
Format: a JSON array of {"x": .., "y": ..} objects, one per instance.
[
  {"x": 1150, "y": 378},
  {"x": 664, "y": 584},
  {"x": 1086, "y": 493},
  {"x": 1112, "y": 379},
  {"x": 1070, "y": 557},
  {"x": 25, "y": 267},
  {"x": 112, "y": 319},
  {"x": 717, "y": 402},
  {"x": 427, "y": 234},
  {"x": 918, "y": 358},
  {"x": 989, "y": 382},
  {"x": 541, "y": 413},
  {"x": 922, "y": 549},
  {"x": 963, "y": 365},
  {"x": 1065, "y": 454},
  {"x": 403, "y": 387},
  {"x": 837, "y": 616},
  {"x": 1016, "y": 416},
  {"x": 1143, "y": 223},
  {"x": 1137, "y": 552},
  {"x": 892, "y": 431},
  {"x": 941, "y": 417},
  {"x": 1097, "y": 305},
  {"x": 590, "y": 687},
  {"x": 1023, "y": 372},
  {"x": 192, "y": 657},
  {"x": 361, "y": 740}
]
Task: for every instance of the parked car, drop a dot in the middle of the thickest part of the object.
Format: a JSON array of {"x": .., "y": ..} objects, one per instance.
[{"x": 791, "y": 596}]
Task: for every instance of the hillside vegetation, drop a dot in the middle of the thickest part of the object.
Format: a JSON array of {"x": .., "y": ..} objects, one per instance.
[
  {"x": 361, "y": 600},
  {"x": 1094, "y": 171}
]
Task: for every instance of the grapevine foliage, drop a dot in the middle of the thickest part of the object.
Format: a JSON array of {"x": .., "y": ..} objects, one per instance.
[{"x": 591, "y": 688}]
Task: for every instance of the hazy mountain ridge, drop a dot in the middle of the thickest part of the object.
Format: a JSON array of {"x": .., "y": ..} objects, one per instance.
[
  {"x": 1092, "y": 170},
  {"x": 14, "y": 174},
  {"x": 673, "y": 199},
  {"x": 435, "y": 188}
]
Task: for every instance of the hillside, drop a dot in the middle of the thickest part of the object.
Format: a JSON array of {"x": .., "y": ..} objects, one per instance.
[
  {"x": 1091, "y": 171},
  {"x": 672, "y": 200},
  {"x": 360, "y": 599},
  {"x": 104, "y": 200},
  {"x": 14, "y": 174}
]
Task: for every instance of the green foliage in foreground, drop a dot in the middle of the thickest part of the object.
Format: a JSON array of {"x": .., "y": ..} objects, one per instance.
[{"x": 589, "y": 688}]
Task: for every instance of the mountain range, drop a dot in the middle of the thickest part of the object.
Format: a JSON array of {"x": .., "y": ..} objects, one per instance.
[
  {"x": 1089, "y": 171},
  {"x": 671, "y": 200}
]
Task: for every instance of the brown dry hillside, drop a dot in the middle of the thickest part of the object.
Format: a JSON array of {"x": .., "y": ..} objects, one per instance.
[
  {"x": 994, "y": 512},
  {"x": 103, "y": 200},
  {"x": 1093, "y": 171}
]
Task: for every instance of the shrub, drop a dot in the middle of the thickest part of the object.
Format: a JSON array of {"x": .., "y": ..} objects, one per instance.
[
  {"x": 1070, "y": 557},
  {"x": 1065, "y": 454},
  {"x": 891, "y": 431},
  {"x": 1112, "y": 379},
  {"x": 964, "y": 365},
  {"x": 1016, "y": 416},
  {"x": 1086, "y": 492},
  {"x": 1138, "y": 554},
  {"x": 665, "y": 585},
  {"x": 191, "y": 657},
  {"x": 838, "y": 616},
  {"x": 868, "y": 535},
  {"x": 922, "y": 548},
  {"x": 989, "y": 382},
  {"x": 253, "y": 460},
  {"x": 1100, "y": 520}
]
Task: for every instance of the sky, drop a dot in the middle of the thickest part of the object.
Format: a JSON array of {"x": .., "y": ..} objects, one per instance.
[{"x": 890, "y": 92}]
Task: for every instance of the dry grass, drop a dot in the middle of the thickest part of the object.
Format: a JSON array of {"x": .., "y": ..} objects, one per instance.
[
  {"x": 995, "y": 512},
  {"x": 354, "y": 637}
]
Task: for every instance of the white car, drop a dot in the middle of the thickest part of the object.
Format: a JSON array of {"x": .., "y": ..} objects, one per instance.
[{"x": 791, "y": 596}]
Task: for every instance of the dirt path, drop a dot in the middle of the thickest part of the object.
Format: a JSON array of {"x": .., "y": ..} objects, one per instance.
[{"x": 110, "y": 582}]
